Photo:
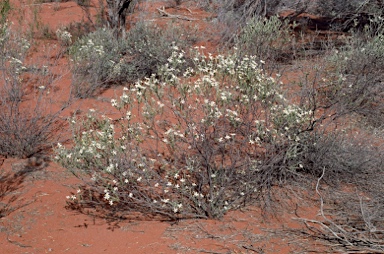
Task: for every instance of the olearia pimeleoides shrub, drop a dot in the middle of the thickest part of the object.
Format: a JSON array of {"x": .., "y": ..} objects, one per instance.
[{"x": 187, "y": 144}]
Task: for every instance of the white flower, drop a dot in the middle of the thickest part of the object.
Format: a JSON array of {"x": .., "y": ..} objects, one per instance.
[
  {"x": 130, "y": 195},
  {"x": 110, "y": 202},
  {"x": 124, "y": 98},
  {"x": 109, "y": 169},
  {"x": 160, "y": 104},
  {"x": 114, "y": 103},
  {"x": 139, "y": 179},
  {"x": 126, "y": 181},
  {"x": 128, "y": 115}
]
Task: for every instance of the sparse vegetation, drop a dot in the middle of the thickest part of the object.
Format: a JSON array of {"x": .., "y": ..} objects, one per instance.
[
  {"x": 195, "y": 133},
  {"x": 356, "y": 84},
  {"x": 24, "y": 131}
]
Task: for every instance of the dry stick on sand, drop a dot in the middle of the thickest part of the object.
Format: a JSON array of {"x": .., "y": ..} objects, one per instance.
[
  {"x": 166, "y": 14},
  {"x": 342, "y": 235}
]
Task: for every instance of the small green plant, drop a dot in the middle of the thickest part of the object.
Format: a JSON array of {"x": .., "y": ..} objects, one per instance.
[{"x": 190, "y": 143}]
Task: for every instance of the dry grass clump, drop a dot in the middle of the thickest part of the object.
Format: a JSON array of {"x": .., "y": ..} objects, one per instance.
[{"x": 24, "y": 130}]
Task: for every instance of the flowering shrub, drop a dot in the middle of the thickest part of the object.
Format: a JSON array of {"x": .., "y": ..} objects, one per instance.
[
  {"x": 189, "y": 143},
  {"x": 99, "y": 59}
]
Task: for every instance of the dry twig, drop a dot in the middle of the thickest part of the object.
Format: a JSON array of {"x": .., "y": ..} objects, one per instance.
[{"x": 164, "y": 13}]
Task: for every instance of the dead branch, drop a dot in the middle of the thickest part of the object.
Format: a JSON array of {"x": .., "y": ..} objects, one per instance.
[
  {"x": 164, "y": 13},
  {"x": 325, "y": 218},
  {"x": 332, "y": 232}
]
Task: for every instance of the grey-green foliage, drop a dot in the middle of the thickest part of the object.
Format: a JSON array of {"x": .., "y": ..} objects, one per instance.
[
  {"x": 334, "y": 8},
  {"x": 101, "y": 60},
  {"x": 265, "y": 38},
  {"x": 337, "y": 8},
  {"x": 357, "y": 80},
  {"x": 5, "y": 7}
]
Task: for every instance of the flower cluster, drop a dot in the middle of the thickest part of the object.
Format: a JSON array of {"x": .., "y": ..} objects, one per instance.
[
  {"x": 16, "y": 65},
  {"x": 64, "y": 37}
]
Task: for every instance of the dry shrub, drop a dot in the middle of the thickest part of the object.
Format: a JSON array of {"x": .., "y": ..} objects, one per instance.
[
  {"x": 350, "y": 192},
  {"x": 24, "y": 129},
  {"x": 355, "y": 86}
]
